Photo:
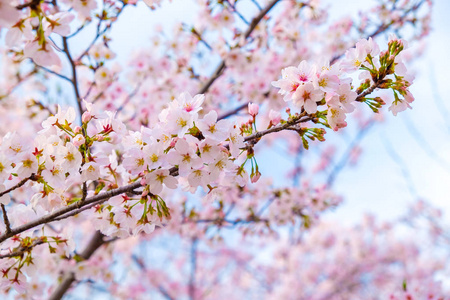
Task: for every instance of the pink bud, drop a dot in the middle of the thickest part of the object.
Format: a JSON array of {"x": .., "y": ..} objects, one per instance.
[
  {"x": 99, "y": 137},
  {"x": 409, "y": 97},
  {"x": 253, "y": 109},
  {"x": 255, "y": 177},
  {"x": 173, "y": 143},
  {"x": 274, "y": 117},
  {"x": 86, "y": 117},
  {"x": 77, "y": 130}
]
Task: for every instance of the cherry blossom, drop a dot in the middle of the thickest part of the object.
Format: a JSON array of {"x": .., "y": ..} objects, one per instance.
[{"x": 165, "y": 147}]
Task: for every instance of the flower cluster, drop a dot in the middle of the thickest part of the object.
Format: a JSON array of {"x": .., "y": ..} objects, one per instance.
[{"x": 310, "y": 86}]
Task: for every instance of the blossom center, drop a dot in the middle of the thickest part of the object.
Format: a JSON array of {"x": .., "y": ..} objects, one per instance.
[{"x": 181, "y": 122}]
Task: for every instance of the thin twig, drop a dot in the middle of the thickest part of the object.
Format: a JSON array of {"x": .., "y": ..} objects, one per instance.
[
  {"x": 130, "y": 96},
  {"x": 5, "y": 219},
  {"x": 99, "y": 34},
  {"x": 22, "y": 249},
  {"x": 232, "y": 112},
  {"x": 74, "y": 79},
  {"x": 257, "y": 4},
  {"x": 22, "y": 182},
  {"x": 142, "y": 266},
  {"x": 100, "y": 198},
  {"x": 237, "y": 12},
  {"x": 53, "y": 72},
  {"x": 383, "y": 27}
]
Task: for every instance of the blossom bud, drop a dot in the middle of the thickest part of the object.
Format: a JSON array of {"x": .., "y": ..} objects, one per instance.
[
  {"x": 78, "y": 140},
  {"x": 173, "y": 143},
  {"x": 77, "y": 130},
  {"x": 409, "y": 97},
  {"x": 86, "y": 117},
  {"x": 99, "y": 137},
  {"x": 255, "y": 176},
  {"x": 253, "y": 109},
  {"x": 274, "y": 117}
]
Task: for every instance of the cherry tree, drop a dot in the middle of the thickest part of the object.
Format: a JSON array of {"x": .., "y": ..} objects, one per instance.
[{"x": 140, "y": 177}]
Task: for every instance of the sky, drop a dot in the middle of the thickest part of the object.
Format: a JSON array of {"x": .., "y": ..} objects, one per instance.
[{"x": 408, "y": 156}]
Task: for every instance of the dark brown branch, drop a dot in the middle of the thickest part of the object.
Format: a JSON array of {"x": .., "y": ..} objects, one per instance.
[
  {"x": 43, "y": 107},
  {"x": 5, "y": 219},
  {"x": 100, "y": 198},
  {"x": 33, "y": 5},
  {"x": 22, "y": 182},
  {"x": 99, "y": 34},
  {"x": 237, "y": 12},
  {"x": 22, "y": 249}
]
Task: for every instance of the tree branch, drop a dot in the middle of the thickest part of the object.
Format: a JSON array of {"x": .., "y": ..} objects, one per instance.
[
  {"x": 96, "y": 242},
  {"x": 22, "y": 182},
  {"x": 76, "y": 208},
  {"x": 100, "y": 198},
  {"x": 232, "y": 112},
  {"x": 22, "y": 249},
  {"x": 33, "y": 5},
  {"x": 219, "y": 70},
  {"x": 53, "y": 72},
  {"x": 5, "y": 219}
]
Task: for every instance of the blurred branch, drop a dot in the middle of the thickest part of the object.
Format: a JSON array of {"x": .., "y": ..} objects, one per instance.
[
  {"x": 69, "y": 277},
  {"x": 74, "y": 79},
  {"x": 422, "y": 142},
  {"x": 53, "y": 72},
  {"x": 233, "y": 112},
  {"x": 219, "y": 70},
  {"x": 443, "y": 111},
  {"x": 191, "y": 286},
  {"x": 142, "y": 266},
  {"x": 346, "y": 156},
  {"x": 401, "y": 163}
]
